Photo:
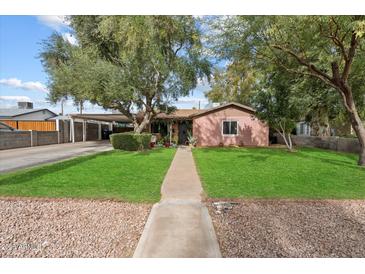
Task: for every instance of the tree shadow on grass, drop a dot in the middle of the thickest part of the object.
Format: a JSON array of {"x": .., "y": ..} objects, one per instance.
[
  {"x": 350, "y": 163},
  {"x": 20, "y": 177},
  {"x": 263, "y": 154},
  {"x": 255, "y": 158},
  {"x": 148, "y": 151}
]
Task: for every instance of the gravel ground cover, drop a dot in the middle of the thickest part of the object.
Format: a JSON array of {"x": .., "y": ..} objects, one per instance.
[
  {"x": 70, "y": 228},
  {"x": 288, "y": 228}
]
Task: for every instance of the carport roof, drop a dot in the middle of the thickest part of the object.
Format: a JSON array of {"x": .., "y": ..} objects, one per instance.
[{"x": 102, "y": 117}]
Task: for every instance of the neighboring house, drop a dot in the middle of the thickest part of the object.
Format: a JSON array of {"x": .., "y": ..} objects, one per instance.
[
  {"x": 26, "y": 118},
  {"x": 303, "y": 128},
  {"x": 26, "y": 114}
]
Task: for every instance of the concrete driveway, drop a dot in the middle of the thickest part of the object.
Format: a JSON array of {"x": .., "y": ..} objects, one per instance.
[{"x": 13, "y": 159}]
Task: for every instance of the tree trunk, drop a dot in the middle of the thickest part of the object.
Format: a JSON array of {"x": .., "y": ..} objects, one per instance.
[
  {"x": 359, "y": 128},
  {"x": 287, "y": 140},
  {"x": 138, "y": 128}
]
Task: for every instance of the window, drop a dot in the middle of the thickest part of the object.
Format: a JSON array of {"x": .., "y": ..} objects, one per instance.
[{"x": 230, "y": 128}]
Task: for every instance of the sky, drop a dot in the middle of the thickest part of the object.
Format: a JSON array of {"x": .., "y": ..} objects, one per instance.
[{"x": 22, "y": 77}]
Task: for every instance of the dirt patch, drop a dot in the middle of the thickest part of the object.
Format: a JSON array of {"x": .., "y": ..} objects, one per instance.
[
  {"x": 284, "y": 228},
  {"x": 70, "y": 228}
]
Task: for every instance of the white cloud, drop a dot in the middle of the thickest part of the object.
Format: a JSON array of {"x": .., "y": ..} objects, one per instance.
[
  {"x": 16, "y": 83},
  {"x": 55, "y": 22},
  {"x": 69, "y": 38},
  {"x": 15, "y": 98}
]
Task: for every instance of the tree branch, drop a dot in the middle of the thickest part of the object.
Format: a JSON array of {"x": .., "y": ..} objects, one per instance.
[
  {"x": 312, "y": 68},
  {"x": 350, "y": 57}
]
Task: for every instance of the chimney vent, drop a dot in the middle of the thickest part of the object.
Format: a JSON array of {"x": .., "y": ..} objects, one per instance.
[{"x": 25, "y": 105}]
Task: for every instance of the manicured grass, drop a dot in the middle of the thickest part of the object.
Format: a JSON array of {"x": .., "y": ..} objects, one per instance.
[
  {"x": 128, "y": 176},
  {"x": 276, "y": 173}
]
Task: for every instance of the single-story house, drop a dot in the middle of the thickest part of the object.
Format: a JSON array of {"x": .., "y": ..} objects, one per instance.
[
  {"x": 25, "y": 117},
  {"x": 225, "y": 125},
  {"x": 26, "y": 114}
]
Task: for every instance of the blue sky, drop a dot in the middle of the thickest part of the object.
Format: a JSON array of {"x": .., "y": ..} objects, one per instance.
[{"x": 21, "y": 73}]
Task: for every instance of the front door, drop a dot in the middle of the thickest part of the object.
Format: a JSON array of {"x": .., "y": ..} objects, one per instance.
[{"x": 183, "y": 132}]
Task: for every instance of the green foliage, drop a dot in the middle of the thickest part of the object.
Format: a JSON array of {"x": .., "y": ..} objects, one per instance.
[
  {"x": 276, "y": 102},
  {"x": 267, "y": 43},
  {"x": 121, "y": 175},
  {"x": 233, "y": 84},
  {"x": 275, "y": 173},
  {"x": 126, "y": 62},
  {"x": 131, "y": 141}
]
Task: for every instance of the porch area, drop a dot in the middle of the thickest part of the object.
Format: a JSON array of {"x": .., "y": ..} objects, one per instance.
[{"x": 171, "y": 131}]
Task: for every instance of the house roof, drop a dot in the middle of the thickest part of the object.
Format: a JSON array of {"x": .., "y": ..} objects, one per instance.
[
  {"x": 210, "y": 110},
  {"x": 176, "y": 114},
  {"x": 13, "y": 112},
  {"x": 179, "y": 114}
]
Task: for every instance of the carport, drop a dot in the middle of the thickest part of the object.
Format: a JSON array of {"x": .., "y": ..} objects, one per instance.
[{"x": 99, "y": 119}]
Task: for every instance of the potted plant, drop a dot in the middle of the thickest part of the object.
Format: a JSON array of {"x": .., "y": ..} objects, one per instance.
[{"x": 191, "y": 139}]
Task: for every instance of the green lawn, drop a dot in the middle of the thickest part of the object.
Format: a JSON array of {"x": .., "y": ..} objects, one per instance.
[
  {"x": 128, "y": 176},
  {"x": 276, "y": 173}
]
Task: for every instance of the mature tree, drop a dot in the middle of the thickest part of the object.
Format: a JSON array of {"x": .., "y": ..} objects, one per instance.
[
  {"x": 277, "y": 103},
  {"x": 129, "y": 63},
  {"x": 329, "y": 49},
  {"x": 323, "y": 106},
  {"x": 232, "y": 84}
]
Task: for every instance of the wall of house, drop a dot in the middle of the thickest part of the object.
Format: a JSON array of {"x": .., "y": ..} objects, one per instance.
[
  {"x": 78, "y": 131},
  {"x": 251, "y": 131},
  {"x": 91, "y": 132},
  {"x": 333, "y": 143}
]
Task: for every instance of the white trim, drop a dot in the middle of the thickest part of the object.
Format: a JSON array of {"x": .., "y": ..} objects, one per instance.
[
  {"x": 230, "y": 120},
  {"x": 72, "y": 125}
]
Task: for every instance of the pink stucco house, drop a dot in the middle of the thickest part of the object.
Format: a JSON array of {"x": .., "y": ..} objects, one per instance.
[
  {"x": 225, "y": 125},
  {"x": 230, "y": 124}
]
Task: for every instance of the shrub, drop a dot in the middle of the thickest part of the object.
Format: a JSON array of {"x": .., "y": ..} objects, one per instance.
[{"x": 131, "y": 141}]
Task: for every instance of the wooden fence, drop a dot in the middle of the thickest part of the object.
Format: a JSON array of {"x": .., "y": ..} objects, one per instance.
[{"x": 31, "y": 125}]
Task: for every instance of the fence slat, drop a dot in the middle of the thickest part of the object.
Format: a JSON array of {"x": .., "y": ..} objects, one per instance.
[{"x": 32, "y": 125}]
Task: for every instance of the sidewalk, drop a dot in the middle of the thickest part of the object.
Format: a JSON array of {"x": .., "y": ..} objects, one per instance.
[{"x": 179, "y": 226}]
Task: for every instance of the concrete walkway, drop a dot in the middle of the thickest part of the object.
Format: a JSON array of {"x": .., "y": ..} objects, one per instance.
[
  {"x": 179, "y": 226},
  {"x": 13, "y": 159}
]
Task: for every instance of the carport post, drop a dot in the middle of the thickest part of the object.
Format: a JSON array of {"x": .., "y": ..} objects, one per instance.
[
  {"x": 83, "y": 130},
  {"x": 72, "y": 127},
  {"x": 58, "y": 131},
  {"x": 99, "y": 131}
]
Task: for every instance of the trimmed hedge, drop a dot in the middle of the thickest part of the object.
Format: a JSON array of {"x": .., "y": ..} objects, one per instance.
[{"x": 131, "y": 141}]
